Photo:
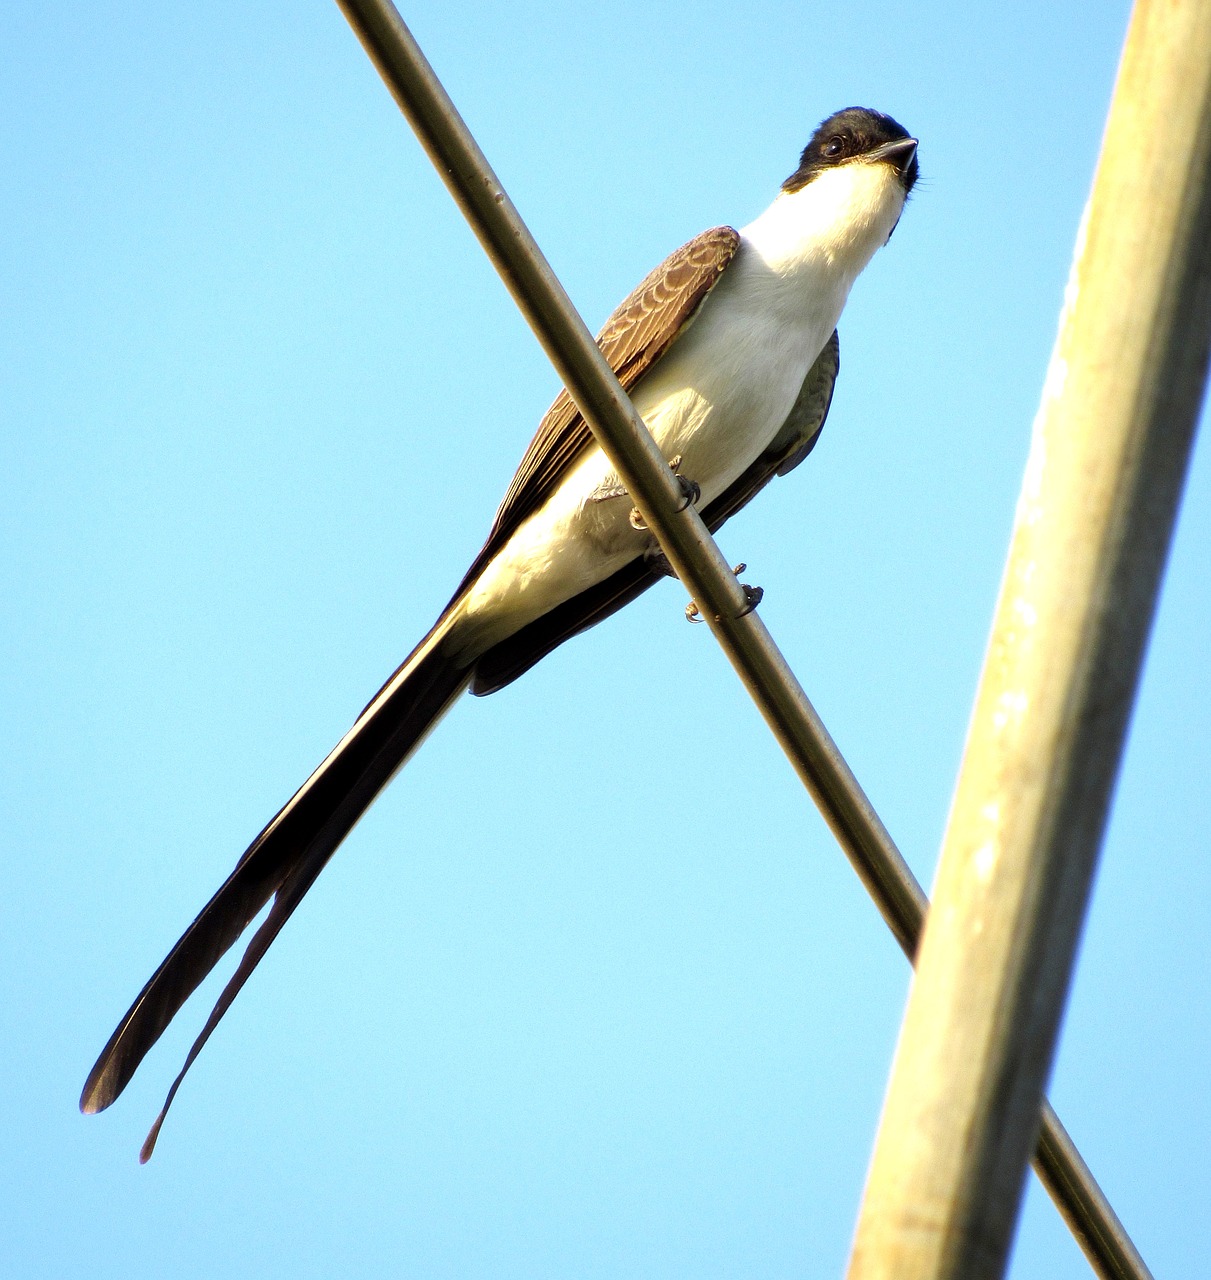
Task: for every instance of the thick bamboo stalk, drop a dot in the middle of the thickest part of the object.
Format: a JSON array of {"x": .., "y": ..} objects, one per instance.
[{"x": 1102, "y": 485}]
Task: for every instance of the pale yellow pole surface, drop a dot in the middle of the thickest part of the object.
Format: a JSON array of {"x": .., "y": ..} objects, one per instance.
[{"x": 1107, "y": 461}]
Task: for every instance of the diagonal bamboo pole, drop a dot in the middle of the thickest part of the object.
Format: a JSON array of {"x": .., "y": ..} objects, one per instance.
[
  {"x": 1108, "y": 459},
  {"x": 700, "y": 564}
]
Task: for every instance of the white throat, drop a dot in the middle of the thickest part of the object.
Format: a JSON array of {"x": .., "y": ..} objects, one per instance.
[{"x": 835, "y": 222}]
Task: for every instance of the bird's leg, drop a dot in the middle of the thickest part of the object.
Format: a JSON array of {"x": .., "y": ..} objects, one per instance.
[
  {"x": 690, "y": 493},
  {"x": 752, "y": 598}
]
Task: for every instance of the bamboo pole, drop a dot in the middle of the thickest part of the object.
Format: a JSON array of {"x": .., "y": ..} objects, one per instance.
[{"x": 1109, "y": 455}]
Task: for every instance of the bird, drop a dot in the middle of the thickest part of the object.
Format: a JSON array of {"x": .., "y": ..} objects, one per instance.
[{"x": 729, "y": 352}]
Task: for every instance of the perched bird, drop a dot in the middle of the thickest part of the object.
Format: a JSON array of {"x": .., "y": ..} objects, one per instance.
[{"x": 729, "y": 352}]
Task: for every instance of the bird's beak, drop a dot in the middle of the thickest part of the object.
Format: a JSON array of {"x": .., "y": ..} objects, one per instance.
[{"x": 899, "y": 154}]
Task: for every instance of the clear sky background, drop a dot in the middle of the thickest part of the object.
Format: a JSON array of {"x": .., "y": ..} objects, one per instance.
[{"x": 591, "y": 991}]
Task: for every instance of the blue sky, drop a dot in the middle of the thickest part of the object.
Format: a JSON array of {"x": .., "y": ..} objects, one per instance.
[{"x": 590, "y": 991}]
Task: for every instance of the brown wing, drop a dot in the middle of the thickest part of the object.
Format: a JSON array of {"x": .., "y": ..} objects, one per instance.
[
  {"x": 516, "y": 655},
  {"x": 632, "y": 339}
]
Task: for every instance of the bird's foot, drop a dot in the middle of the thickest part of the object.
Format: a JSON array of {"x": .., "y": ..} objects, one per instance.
[
  {"x": 690, "y": 493},
  {"x": 752, "y": 598}
]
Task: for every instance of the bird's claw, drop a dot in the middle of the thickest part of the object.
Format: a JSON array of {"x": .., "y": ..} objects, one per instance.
[
  {"x": 752, "y": 598},
  {"x": 690, "y": 493},
  {"x": 690, "y": 490}
]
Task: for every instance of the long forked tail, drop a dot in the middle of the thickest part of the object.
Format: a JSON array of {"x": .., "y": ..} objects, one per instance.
[{"x": 282, "y": 863}]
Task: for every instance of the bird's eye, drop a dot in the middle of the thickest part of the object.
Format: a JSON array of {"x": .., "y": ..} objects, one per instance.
[{"x": 834, "y": 147}]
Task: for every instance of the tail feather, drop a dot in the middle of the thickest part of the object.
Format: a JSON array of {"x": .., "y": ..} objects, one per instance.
[
  {"x": 288, "y": 896},
  {"x": 282, "y": 862}
]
